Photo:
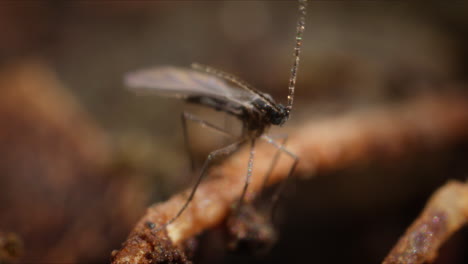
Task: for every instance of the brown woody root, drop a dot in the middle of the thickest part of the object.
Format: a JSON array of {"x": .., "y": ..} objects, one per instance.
[
  {"x": 321, "y": 145},
  {"x": 445, "y": 213}
]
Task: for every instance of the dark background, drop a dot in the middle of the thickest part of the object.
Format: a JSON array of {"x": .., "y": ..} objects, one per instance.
[{"x": 356, "y": 54}]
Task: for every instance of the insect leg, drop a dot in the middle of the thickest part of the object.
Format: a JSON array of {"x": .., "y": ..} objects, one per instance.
[
  {"x": 276, "y": 196},
  {"x": 212, "y": 156},
  {"x": 188, "y": 116},
  {"x": 266, "y": 178},
  {"x": 249, "y": 173}
]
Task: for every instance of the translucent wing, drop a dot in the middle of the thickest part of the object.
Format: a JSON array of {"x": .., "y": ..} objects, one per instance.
[{"x": 188, "y": 84}]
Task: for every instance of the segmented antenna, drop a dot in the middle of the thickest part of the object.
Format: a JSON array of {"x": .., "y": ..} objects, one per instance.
[{"x": 297, "y": 51}]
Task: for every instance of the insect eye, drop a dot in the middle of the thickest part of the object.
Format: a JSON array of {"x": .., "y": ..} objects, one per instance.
[{"x": 277, "y": 118}]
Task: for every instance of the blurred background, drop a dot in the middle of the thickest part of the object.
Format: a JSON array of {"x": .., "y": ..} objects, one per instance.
[{"x": 81, "y": 157}]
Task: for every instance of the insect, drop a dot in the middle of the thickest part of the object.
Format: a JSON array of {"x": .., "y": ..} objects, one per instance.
[{"x": 222, "y": 91}]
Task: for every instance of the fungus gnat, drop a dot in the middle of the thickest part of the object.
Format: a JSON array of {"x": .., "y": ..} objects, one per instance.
[{"x": 224, "y": 92}]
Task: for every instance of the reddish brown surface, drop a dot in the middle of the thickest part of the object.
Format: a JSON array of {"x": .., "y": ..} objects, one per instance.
[
  {"x": 150, "y": 247},
  {"x": 426, "y": 122},
  {"x": 11, "y": 247},
  {"x": 56, "y": 183},
  {"x": 445, "y": 213}
]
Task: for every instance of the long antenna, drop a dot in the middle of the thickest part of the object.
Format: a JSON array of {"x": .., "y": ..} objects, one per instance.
[{"x": 297, "y": 51}]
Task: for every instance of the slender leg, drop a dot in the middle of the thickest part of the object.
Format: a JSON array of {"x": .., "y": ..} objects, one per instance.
[
  {"x": 189, "y": 117},
  {"x": 249, "y": 173},
  {"x": 276, "y": 196},
  {"x": 212, "y": 156},
  {"x": 266, "y": 178}
]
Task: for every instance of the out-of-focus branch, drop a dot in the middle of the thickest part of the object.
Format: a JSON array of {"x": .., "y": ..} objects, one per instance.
[
  {"x": 445, "y": 213},
  {"x": 321, "y": 145},
  {"x": 57, "y": 171},
  {"x": 11, "y": 247}
]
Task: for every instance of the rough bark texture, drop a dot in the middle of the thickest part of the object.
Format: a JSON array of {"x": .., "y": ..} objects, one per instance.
[
  {"x": 445, "y": 213},
  {"x": 321, "y": 145}
]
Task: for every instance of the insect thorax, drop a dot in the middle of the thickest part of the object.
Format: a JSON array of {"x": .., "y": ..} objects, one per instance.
[
  {"x": 272, "y": 113},
  {"x": 258, "y": 119}
]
